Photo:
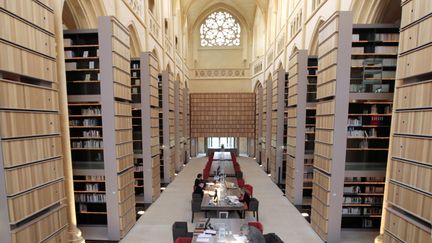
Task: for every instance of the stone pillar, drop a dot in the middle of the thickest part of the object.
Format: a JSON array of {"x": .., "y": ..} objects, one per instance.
[{"x": 73, "y": 232}]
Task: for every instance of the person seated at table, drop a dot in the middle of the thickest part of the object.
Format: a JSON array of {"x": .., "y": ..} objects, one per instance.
[
  {"x": 199, "y": 189},
  {"x": 245, "y": 198},
  {"x": 253, "y": 234},
  {"x": 198, "y": 180}
]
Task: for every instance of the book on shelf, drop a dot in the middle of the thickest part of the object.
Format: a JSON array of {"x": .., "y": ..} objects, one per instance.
[
  {"x": 67, "y": 42},
  {"x": 71, "y": 66},
  {"x": 352, "y": 200},
  {"x": 68, "y": 54},
  {"x": 85, "y": 54}
]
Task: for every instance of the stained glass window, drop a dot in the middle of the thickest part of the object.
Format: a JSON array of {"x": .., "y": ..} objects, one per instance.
[{"x": 220, "y": 29}]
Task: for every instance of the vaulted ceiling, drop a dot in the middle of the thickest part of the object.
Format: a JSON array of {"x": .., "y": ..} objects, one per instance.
[{"x": 193, "y": 9}]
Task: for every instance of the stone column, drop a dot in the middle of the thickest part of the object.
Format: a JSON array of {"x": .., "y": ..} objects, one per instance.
[{"x": 73, "y": 232}]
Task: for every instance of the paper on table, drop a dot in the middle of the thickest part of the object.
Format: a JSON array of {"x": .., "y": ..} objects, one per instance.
[
  {"x": 203, "y": 239},
  {"x": 213, "y": 232},
  {"x": 204, "y": 236}
]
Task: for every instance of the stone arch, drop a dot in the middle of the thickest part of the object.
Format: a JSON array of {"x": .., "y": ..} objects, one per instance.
[
  {"x": 135, "y": 44},
  {"x": 313, "y": 45},
  {"x": 82, "y": 14},
  {"x": 368, "y": 12},
  {"x": 155, "y": 54}
]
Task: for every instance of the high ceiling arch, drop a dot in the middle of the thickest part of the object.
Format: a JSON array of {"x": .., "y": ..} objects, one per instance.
[{"x": 193, "y": 9}]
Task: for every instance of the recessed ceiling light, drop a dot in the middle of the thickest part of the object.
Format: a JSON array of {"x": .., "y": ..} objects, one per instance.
[
  {"x": 140, "y": 212},
  {"x": 163, "y": 188},
  {"x": 305, "y": 214}
]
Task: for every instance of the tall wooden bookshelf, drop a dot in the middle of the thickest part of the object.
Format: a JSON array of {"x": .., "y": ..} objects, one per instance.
[
  {"x": 268, "y": 95},
  {"x": 186, "y": 122},
  {"x": 168, "y": 126},
  {"x": 351, "y": 163},
  {"x": 31, "y": 155},
  {"x": 179, "y": 126},
  {"x": 99, "y": 96},
  {"x": 296, "y": 122},
  {"x": 135, "y": 68},
  {"x": 408, "y": 193},
  {"x": 146, "y": 127},
  {"x": 331, "y": 116},
  {"x": 373, "y": 69},
  {"x": 277, "y": 121},
  {"x": 258, "y": 123},
  {"x": 312, "y": 69},
  {"x": 285, "y": 131}
]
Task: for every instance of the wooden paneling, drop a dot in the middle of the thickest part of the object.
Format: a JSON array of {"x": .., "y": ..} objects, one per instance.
[
  {"x": 409, "y": 188},
  {"x": 222, "y": 114}
]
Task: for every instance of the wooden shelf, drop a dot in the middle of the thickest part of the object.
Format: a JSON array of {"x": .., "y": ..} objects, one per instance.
[
  {"x": 366, "y": 149},
  {"x": 84, "y": 70},
  {"x": 362, "y": 194},
  {"x": 84, "y": 127},
  {"x": 86, "y": 138},
  {"x": 85, "y": 116},
  {"x": 81, "y": 58},
  {"x": 84, "y": 81},
  {"x": 362, "y": 205},
  {"x": 87, "y": 149},
  {"x": 91, "y": 192},
  {"x": 360, "y": 216},
  {"x": 85, "y": 104},
  {"x": 369, "y": 126},
  {"x": 89, "y": 181},
  {"x": 364, "y": 182},
  {"x": 81, "y": 46},
  {"x": 103, "y": 213},
  {"x": 372, "y": 138},
  {"x": 370, "y": 114}
]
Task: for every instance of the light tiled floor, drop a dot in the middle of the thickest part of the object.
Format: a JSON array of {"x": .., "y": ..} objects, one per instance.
[{"x": 276, "y": 213}]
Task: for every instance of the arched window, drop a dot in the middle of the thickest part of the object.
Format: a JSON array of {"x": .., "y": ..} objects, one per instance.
[{"x": 220, "y": 29}]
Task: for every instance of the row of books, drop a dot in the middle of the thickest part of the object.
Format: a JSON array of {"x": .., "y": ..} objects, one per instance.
[
  {"x": 85, "y": 122},
  {"x": 86, "y": 198},
  {"x": 377, "y": 37},
  {"x": 70, "y": 66},
  {"x": 361, "y": 211},
  {"x": 87, "y": 144},
  {"x": 365, "y": 179},
  {"x": 81, "y": 53},
  {"x": 352, "y": 132},
  {"x": 367, "y": 189},
  {"x": 92, "y": 133},
  {"x": 363, "y": 200},
  {"x": 92, "y": 186},
  {"x": 91, "y": 111}
]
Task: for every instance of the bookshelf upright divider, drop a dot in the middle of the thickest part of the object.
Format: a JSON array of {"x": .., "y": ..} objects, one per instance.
[
  {"x": 99, "y": 94},
  {"x": 297, "y": 90},
  {"x": 32, "y": 205},
  {"x": 150, "y": 126},
  {"x": 331, "y": 115},
  {"x": 167, "y": 109}
]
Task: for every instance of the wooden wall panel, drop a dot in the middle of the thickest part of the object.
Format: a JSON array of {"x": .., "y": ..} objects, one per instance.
[{"x": 222, "y": 114}]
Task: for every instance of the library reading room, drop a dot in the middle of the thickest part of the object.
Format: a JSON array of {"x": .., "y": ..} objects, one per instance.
[{"x": 238, "y": 121}]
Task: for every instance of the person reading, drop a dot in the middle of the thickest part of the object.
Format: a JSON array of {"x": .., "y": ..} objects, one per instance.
[
  {"x": 253, "y": 234},
  {"x": 199, "y": 189},
  {"x": 198, "y": 180},
  {"x": 245, "y": 198}
]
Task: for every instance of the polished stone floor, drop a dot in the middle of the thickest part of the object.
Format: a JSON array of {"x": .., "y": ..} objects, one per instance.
[{"x": 277, "y": 214}]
